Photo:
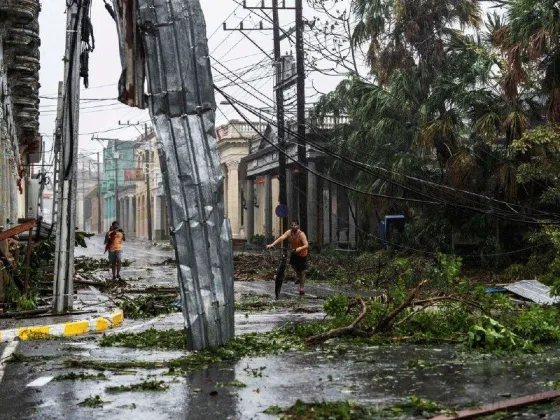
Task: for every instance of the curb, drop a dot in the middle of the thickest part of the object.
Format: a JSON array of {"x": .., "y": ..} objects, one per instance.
[{"x": 67, "y": 329}]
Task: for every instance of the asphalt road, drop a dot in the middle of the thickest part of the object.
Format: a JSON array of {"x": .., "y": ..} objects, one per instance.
[{"x": 369, "y": 375}]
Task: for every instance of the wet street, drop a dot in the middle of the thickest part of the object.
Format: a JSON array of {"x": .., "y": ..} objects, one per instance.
[{"x": 41, "y": 380}]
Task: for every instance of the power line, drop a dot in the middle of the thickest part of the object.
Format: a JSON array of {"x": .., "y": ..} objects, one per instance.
[
  {"x": 312, "y": 170},
  {"x": 404, "y": 247},
  {"x": 505, "y": 216}
]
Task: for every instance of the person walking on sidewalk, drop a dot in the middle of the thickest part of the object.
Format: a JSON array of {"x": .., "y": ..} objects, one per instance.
[
  {"x": 300, "y": 250},
  {"x": 113, "y": 243}
]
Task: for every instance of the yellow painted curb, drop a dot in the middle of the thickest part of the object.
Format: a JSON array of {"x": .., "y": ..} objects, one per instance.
[
  {"x": 101, "y": 324},
  {"x": 118, "y": 318},
  {"x": 76, "y": 328},
  {"x": 34, "y": 333},
  {"x": 67, "y": 329}
]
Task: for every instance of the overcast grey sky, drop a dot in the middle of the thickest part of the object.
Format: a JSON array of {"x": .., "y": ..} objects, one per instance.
[{"x": 231, "y": 49}]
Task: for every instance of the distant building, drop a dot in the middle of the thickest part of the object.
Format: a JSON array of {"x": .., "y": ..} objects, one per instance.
[
  {"x": 233, "y": 145},
  {"x": 118, "y": 157},
  {"x": 147, "y": 159}
]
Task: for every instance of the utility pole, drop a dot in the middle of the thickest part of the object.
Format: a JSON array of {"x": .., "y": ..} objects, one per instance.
[
  {"x": 279, "y": 87},
  {"x": 83, "y": 195},
  {"x": 116, "y": 160},
  {"x": 42, "y": 184},
  {"x": 98, "y": 195},
  {"x": 66, "y": 223},
  {"x": 149, "y": 192},
  {"x": 302, "y": 147},
  {"x": 56, "y": 163},
  {"x": 283, "y": 199}
]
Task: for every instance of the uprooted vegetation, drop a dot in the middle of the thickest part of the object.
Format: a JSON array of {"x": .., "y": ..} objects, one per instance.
[
  {"x": 148, "y": 306},
  {"x": 73, "y": 376},
  {"x": 441, "y": 308},
  {"x": 248, "y": 345},
  {"x": 88, "y": 265},
  {"x": 150, "y": 385},
  {"x": 252, "y": 302},
  {"x": 346, "y": 410}
]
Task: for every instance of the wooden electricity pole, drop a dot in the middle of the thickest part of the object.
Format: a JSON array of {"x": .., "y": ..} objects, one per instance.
[
  {"x": 99, "y": 227},
  {"x": 302, "y": 147},
  {"x": 66, "y": 220},
  {"x": 148, "y": 187}
]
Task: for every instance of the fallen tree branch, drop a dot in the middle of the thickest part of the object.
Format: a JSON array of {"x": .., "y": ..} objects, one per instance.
[
  {"x": 410, "y": 315},
  {"x": 452, "y": 298},
  {"x": 386, "y": 322},
  {"x": 506, "y": 405},
  {"x": 339, "y": 332}
]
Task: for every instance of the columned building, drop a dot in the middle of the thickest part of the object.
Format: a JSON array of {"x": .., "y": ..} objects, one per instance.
[
  {"x": 20, "y": 142},
  {"x": 233, "y": 145},
  {"x": 330, "y": 214}
]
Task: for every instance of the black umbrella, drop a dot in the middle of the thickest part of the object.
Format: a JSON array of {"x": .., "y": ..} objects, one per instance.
[{"x": 280, "y": 274}]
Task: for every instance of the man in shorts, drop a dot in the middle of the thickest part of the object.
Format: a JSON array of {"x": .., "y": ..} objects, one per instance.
[
  {"x": 300, "y": 250},
  {"x": 113, "y": 243}
]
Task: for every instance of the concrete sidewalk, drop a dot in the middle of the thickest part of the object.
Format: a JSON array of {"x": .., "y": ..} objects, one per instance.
[
  {"x": 93, "y": 312},
  {"x": 38, "y": 331}
]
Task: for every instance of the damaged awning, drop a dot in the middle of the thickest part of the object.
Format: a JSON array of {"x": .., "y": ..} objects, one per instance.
[{"x": 131, "y": 82}]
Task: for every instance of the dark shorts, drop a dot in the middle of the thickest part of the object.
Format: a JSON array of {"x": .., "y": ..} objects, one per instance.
[
  {"x": 115, "y": 256},
  {"x": 299, "y": 263}
]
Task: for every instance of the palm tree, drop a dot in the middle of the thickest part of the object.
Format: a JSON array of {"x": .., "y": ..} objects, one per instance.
[{"x": 531, "y": 42}]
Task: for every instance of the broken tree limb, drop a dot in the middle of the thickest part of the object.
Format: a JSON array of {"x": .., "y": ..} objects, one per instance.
[
  {"x": 16, "y": 230},
  {"x": 502, "y": 405},
  {"x": 386, "y": 322},
  {"x": 451, "y": 298},
  {"x": 414, "y": 312},
  {"x": 428, "y": 303},
  {"x": 339, "y": 332}
]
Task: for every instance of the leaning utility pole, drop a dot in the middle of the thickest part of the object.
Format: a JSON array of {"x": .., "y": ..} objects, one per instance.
[
  {"x": 66, "y": 221},
  {"x": 302, "y": 147},
  {"x": 149, "y": 193},
  {"x": 172, "y": 34}
]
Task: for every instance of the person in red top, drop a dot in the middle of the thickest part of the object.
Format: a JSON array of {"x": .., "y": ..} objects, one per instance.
[
  {"x": 300, "y": 250},
  {"x": 113, "y": 243}
]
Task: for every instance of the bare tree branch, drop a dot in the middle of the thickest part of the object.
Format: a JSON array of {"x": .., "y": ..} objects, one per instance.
[{"x": 339, "y": 332}]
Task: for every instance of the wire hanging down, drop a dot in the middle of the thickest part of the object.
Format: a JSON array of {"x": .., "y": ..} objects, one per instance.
[{"x": 504, "y": 214}]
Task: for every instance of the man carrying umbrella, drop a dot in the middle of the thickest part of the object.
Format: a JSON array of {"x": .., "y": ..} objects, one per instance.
[{"x": 300, "y": 250}]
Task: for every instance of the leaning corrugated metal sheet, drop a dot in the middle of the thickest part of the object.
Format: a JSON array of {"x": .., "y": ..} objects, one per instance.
[{"x": 182, "y": 106}]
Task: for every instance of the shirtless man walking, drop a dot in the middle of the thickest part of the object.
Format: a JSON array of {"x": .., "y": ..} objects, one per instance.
[{"x": 300, "y": 250}]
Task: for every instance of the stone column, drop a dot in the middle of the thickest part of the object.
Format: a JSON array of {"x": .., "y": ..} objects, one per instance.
[
  {"x": 233, "y": 206},
  {"x": 129, "y": 216},
  {"x": 226, "y": 190},
  {"x": 158, "y": 234},
  {"x": 124, "y": 214},
  {"x": 267, "y": 206},
  {"x": 250, "y": 224},
  {"x": 311, "y": 203}
]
